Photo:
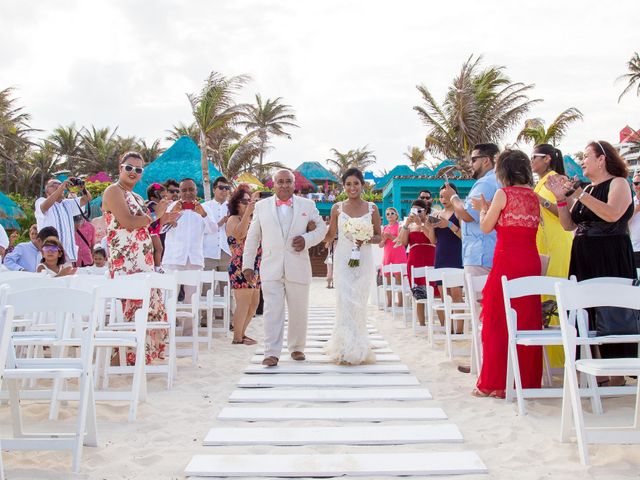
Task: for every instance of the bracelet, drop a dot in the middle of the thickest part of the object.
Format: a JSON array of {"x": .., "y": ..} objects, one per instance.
[
  {"x": 582, "y": 194},
  {"x": 450, "y": 224},
  {"x": 562, "y": 204},
  {"x": 404, "y": 227},
  {"x": 454, "y": 196},
  {"x": 483, "y": 212}
]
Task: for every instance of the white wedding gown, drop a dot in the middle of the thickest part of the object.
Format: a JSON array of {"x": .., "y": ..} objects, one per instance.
[{"x": 349, "y": 342}]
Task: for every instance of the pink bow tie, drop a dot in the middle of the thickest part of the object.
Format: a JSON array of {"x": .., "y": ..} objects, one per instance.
[{"x": 288, "y": 203}]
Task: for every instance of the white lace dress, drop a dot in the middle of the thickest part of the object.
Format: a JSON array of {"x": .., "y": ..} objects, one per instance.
[{"x": 349, "y": 342}]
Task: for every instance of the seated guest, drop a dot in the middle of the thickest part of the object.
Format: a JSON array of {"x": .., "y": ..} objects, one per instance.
[
  {"x": 54, "y": 259},
  {"x": 26, "y": 256},
  {"x": 99, "y": 266}
]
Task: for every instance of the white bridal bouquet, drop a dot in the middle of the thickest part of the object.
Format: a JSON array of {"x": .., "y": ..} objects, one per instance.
[{"x": 357, "y": 229}]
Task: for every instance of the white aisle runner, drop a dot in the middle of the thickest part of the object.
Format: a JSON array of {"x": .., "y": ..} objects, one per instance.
[{"x": 303, "y": 393}]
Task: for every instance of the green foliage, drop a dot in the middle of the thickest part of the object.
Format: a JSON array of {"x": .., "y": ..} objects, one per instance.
[
  {"x": 97, "y": 188},
  {"x": 366, "y": 196},
  {"x": 535, "y": 132},
  {"x": 632, "y": 77},
  {"x": 27, "y": 206}
]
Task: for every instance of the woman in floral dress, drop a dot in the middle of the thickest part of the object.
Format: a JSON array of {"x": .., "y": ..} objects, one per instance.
[{"x": 130, "y": 247}]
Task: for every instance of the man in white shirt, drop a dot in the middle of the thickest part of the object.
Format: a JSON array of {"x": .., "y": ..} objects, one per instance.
[
  {"x": 634, "y": 222},
  {"x": 58, "y": 212},
  {"x": 216, "y": 249},
  {"x": 183, "y": 246}
]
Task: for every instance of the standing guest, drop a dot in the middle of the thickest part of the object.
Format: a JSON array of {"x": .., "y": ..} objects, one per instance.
[
  {"x": 130, "y": 248},
  {"x": 552, "y": 240},
  {"x": 56, "y": 211},
  {"x": 393, "y": 253},
  {"x": 419, "y": 235},
  {"x": 449, "y": 249},
  {"x": 173, "y": 190},
  {"x": 216, "y": 249},
  {"x": 85, "y": 236},
  {"x": 246, "y": 293},
  {"x": 4, "y": 241},
  {"x": 634, "y": 223},
  {"x": 599, "y": 213},
  {"x": 425, "y": 196},
  {"x": 13, "y": 235},
  {"x": 157, "y": 205},
  {"x": 25, "y": 257},
  {"x": 183, "y": 246},
  {"x": 515, "y": 214},
  {"x": 477, "y": 247},
  {"x": 54, "y": 260},
  {"x": 332, "y": 196}
]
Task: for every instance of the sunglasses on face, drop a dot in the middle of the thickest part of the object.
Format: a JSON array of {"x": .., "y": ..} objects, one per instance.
[
  {"x": 424, "y": 198},
  {"x": 390, "y": 213},
  {"x": 478, "y": 157},
  {"x": 419, "y": 210},
  {"x": 245, "y": 201},
  {"x": 50, "y": 249},
  {"x": 636, "y": 183},
  {"x": 533, "y": 155},
  {"x": 130, "y": 168},
  {"x": 173, "y": 191},
  {"x": 223, "y": 187}
]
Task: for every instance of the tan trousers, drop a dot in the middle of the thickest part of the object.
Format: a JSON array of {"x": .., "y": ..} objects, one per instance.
[{"x": 296, "y": 296}]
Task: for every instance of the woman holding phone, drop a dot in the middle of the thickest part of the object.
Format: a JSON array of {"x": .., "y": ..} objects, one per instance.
[{"x": 419, "y": 235}]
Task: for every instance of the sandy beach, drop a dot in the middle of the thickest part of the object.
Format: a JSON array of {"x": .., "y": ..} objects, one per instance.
[{"x": 172, "y": 424}]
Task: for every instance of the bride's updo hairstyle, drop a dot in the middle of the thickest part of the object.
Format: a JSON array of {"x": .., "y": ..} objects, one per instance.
[
  {"x": 352, "y": 172},
  {"x": 514, "y": 168}
]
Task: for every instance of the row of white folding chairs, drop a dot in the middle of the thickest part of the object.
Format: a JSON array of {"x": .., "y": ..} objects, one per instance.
[
  {"x": 395, "y": 285},
  {"x": 573, "y": 300}
]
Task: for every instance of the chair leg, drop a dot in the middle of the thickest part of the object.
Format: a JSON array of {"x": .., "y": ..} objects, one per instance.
[
  {"x": 16, "y": 411},
  {"x": 194, "y": 339},
  {"x": 86, "y": 419},
  {"x": 1, "y": 465},
  {"x": 546, "y": 368},
  {"x": 515, "y": 371},
  {"x": 592, "y": 384},
  {"x": 209, "y": 328},
  {"x": 107, "y": 364},
  {"x": 449, "y": 342},
  {"x": 636, "y": 418},
  {"x": 138, "y": 373},
  {"x": 565, "y": 417}
]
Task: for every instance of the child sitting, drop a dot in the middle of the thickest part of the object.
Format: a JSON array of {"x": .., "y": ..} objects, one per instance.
[
  {"x": 54, "y": 259},
  {"x": 99, "y": 266}
]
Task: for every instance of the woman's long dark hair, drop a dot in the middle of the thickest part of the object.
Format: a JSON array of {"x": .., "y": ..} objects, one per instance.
[
  {"x": 557, "y": 160},
  {"x": 236, "y": 198}
]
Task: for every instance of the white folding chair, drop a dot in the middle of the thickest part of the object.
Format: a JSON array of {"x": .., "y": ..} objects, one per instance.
[
  {"x": 212, "y": 301},
  {"x": 524, "y": 287},
  {"x": 6, "y": 317},
  {"x": 399, "y": 289},
  {"x": 454, "y": 311},
  {"x": 577, "y": 298},
  {"x": 66, "y": 303},
  {"x": 189, "y": 311},
  {"x": 472, "y": 292},
  {"x": 386, "y": 286}
]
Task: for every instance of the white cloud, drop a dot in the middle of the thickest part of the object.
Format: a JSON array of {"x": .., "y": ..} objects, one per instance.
[{"x": 349, "y": 68}]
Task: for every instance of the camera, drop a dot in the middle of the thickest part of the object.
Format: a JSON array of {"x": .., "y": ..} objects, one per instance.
[
  {"x": 188, "y": 206},
  {"x": 265, "y": 194},
  {"x": 433, "y": 219},
  {"x": 76, "y": 182}
]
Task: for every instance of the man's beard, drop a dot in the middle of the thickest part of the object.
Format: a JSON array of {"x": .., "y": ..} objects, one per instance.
[{"x": 476, "y": 174}]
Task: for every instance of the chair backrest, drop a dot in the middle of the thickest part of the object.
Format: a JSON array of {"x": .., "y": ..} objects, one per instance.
[
  {"x": 88, "y": 282},
  {"x": 418, "y": 272},
  {"x": 533, "y": 285},
  {"x": 32, "y": 282},
  {"x": 610, "y": 280},
  {"x": 437, "y": 274},
  {"x": 451, "y": 279},
  {"x": 190, "y": 278},
  {"x": 6, "y": 320},
  {"x": 10, "y": 274}
]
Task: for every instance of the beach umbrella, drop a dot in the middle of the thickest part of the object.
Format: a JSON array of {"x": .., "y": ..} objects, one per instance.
[
  {"x": 249, "y": 179},
  {"x": 9, "y": 213}
]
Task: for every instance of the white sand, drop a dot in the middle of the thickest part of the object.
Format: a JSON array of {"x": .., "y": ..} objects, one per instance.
[{"x": 172, "y": 424}]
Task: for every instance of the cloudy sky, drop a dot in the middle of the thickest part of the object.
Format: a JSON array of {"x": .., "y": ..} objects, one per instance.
[{"x": 349, "y": 68}]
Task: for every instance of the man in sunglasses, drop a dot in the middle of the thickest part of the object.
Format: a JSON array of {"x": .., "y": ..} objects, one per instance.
[
  {"x": 55, "y": 210},
  {"x": 425, "y": 196},
  {"x": 634, "y": 223},
  {"x": 173, "y": 189}
]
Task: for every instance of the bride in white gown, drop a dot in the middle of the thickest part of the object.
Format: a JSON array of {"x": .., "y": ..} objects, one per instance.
[{"x": 349, "y": 342}]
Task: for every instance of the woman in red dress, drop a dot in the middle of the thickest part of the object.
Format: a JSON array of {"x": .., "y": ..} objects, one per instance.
[
  {"x": 420, "y": 236},
  {"x": 515, "y": 214}
]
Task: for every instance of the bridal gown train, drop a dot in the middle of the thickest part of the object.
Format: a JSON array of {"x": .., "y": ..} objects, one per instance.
[{"x": 349, "y": 342}]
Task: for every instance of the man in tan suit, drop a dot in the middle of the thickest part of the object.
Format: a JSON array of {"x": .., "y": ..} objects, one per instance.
[{"x": 280, "y": 223}]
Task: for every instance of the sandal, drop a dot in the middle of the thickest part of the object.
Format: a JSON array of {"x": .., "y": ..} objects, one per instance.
[
  {"x": 476, "y": 392},
  {"x": 236, "y": 342},
  {"x": 498, "y": 394},
  {"x": 248, "y": 341}
]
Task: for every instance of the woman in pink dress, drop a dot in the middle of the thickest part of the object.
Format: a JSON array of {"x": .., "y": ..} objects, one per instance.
[{"x": 393, "y": 253}]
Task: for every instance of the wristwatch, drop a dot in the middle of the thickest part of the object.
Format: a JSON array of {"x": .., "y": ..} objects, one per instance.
[{"x": 546, "y": 204}]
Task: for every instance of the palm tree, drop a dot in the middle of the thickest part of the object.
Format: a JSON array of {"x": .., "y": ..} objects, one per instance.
[
  {"x": 44, "y": 160},
  {"x": 214, "y": 112},
  {"x": 183, "y": 130},
  {"x": 480, "y": 106},
  {"x": 268, "y": 118},
  {"x": 100, "y": 150},
  {"x": 14, "y": 135},
  {"x": 633, "y": 77},
  {"x": 360, "y": 158},
  {"x": 149, "y": 152},
  {"x": 534, "y": 131},
  {"x": 416, "y": 157},
  {"x": 67, "y": 144}
]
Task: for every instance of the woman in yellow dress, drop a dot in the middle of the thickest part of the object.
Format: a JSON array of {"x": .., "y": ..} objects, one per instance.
[{"x": 552, "y": 240}]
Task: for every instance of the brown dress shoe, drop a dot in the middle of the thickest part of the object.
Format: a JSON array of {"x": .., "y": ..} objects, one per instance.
[
  {"x": 270, "y": 361},
  {"x": 298, "y": 356}
]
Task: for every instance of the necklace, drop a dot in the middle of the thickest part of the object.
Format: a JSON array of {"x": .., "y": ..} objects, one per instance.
[{"x": 122, "y": 187}]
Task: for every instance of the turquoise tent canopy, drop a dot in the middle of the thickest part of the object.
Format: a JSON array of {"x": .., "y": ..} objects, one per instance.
[
  {"x": 181, "y": 160},
  {"x": 397, "y": 171},
  {"x": 9, "y": 213},
  {"x": 315, "y": 172},
  {"x": 572, "y": 169}
]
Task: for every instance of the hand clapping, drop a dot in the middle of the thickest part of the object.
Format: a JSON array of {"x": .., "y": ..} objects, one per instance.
[{"x": 480, "y": 203}]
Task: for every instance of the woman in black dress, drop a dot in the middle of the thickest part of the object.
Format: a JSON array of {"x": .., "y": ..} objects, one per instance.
[{"x": 599, "y": 213}]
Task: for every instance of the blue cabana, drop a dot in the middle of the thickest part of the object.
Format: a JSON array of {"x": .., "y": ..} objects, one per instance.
[
  {"x": 9, "y": 213},
  {"x": 181, "y": 160},
  {"x": 315, "y": 172}
]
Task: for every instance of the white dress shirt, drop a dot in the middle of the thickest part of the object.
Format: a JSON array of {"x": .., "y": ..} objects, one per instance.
[
  {"x": 60, "y": 216},
  {"x": 285, "y": 215},
  {"x": 184, "y": 242},
  {"x": 215, "y": 240}
]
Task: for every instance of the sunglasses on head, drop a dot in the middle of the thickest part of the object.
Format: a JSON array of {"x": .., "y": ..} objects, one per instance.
[
  {"x": 131, "y": 168},
  {"x": 223, "y": 187},
  {"x": 50, "y": 249}
]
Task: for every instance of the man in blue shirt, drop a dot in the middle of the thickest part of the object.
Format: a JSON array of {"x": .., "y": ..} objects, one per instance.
[
  {"x": 477, "y": 247},
  {"x": 26, "y": 256}
]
